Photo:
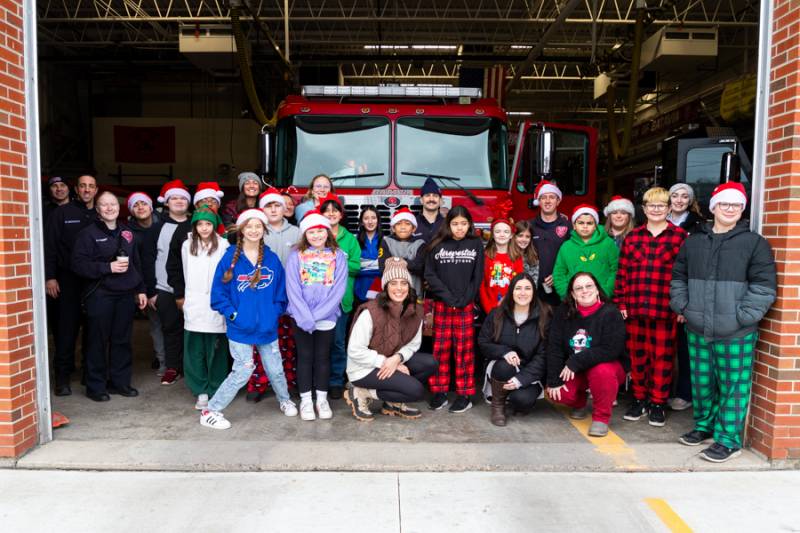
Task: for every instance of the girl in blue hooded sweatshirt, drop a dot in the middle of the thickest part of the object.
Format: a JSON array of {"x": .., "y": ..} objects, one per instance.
[
  {"x": 316, "y": 280},
  {"x": 249, "y": 291}
]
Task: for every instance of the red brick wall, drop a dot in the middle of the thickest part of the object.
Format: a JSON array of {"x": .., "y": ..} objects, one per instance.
[
  {"x": 775, "y": 413},
  {"x": 18, "y": 424}
]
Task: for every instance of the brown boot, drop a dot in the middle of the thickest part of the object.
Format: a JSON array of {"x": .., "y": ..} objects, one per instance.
[{"x": 499, "y": 395}]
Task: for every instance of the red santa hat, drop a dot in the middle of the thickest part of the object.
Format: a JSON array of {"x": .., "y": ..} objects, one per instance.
[
  {"x": 207, "y": 189},
  {"x": 546, "y": 187},
  {"x": 247, "y": 214},
  {"x": 732, "y": 192},
  {"x": 271, "y": 195},
  {"x": 330, "y": 197},
  {"x": 619, "y": 203},
  {"x": 139, "y": 196},
  {"x": 403, "y": 213},
  {"x": 174, "y": 188},
  {"x": 314, "y": 219},
  {"x": 585, "y": 209}
]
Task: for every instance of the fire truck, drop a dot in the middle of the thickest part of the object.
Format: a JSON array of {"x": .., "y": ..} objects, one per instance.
[{"x": 380, "y": 144}]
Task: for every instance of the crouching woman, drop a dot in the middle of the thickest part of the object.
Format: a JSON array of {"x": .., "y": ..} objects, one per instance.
[
  {"x": 587, "y": 338},
  {"x": 383, "y": 362},
  {"x": 512, "y": 340}
]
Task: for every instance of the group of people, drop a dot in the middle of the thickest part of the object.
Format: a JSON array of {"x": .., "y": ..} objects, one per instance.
[{"x": 274, "y": 289}]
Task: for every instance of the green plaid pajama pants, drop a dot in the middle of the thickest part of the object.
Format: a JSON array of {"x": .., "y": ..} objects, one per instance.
[{"x": 721, "y": 381}]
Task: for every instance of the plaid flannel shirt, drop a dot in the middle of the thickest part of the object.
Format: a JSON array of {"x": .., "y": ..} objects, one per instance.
[{"x": 645, "y": 271}]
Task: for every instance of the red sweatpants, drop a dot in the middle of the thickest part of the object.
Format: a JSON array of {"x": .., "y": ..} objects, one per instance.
[
  {"x": 452, "y": 332},
  {"x": 603, "y": 381},
  {"x": 651, "y": 346}
]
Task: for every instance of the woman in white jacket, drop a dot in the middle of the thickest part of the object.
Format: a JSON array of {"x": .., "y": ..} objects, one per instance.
[{"x": 205, "y": 348}]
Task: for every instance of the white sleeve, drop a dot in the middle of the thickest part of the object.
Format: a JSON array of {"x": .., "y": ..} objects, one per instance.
[
  {"x": 413, "y": 345},
  {"x": 358, "y": 346}
]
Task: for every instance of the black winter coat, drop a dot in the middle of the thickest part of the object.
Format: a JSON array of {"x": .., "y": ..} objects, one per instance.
[
  {"x": 723, "y": 284},
  {"x": 581, "y": 343},
  {"x": 96, "y": 247},
  {"x": 523, "y": 339},
  {"x": 60, "y": 231},
  {"x": 146, "y": 240}
]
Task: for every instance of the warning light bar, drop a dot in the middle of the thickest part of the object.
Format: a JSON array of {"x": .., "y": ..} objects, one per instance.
[{"x": 392, "y": 92}]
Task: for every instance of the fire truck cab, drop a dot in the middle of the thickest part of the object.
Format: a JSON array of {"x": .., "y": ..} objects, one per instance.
[{"x": 380, "y": 144}]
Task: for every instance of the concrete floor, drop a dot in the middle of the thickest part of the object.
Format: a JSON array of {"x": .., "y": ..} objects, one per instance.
[
  {"x": 71, "y": 501},
  {"x": 160, "y": 430}
]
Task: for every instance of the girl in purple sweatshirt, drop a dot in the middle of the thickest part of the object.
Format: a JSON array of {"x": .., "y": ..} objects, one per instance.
[{"x": 316, "y": 279}]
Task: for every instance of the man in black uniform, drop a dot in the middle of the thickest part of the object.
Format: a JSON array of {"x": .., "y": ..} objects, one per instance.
[
  {"x": 57, "y": 195},
  {"x": 63, "y": 285}
]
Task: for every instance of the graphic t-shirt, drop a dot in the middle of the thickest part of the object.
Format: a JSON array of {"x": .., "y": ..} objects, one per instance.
[{"x": 317, "y": 266}]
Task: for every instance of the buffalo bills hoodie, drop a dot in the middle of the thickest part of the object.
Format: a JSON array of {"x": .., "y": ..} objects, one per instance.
[{"x": 256, "y": 309}]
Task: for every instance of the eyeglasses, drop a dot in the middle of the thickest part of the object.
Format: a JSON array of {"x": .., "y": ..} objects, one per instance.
[
  {"x": 580, "y": 288},
  {"x": 656, "y": 207},
  {"x": 725, "y": 206}
]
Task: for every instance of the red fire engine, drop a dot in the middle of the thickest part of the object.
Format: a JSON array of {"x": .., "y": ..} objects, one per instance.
[{"x": 379, "y": 144}]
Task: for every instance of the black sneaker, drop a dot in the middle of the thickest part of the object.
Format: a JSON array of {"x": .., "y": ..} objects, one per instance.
[
  {"x": 717, "y": 453},
  {"x": 254, "y": 396},
  {"x": 637, "y": 409},
  {"x": 439, "y": 401},
  {"x": 657, "y": 417},
  {"x": 155, "y": 364},
  {"x": 335, "y": 392},
  {"x": 461, "y": 404},
  {"x": 695, "y": 437}
]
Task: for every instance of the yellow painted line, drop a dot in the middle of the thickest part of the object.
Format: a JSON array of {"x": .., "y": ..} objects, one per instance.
[
  {"x": 669, "y": 517},
  {"x": 611, "y": 445}
]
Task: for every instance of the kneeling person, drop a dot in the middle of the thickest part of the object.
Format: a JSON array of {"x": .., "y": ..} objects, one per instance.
[{"x": 382, "y": 358}]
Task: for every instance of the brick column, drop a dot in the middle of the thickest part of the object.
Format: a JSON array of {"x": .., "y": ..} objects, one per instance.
[
  {"x": 774, "y": 428},
  {"x": 18, "y": 415}
]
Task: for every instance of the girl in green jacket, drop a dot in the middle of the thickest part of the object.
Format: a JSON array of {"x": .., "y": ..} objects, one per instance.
[{"x": 589, "y": 249}]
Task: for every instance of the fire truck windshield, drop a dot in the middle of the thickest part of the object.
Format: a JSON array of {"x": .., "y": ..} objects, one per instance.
[
  {"x": 472, "y": 149},
  {"x": 339, "y": 146}
]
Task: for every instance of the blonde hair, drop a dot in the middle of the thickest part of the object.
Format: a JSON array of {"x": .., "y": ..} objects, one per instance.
[
  {"x": 627, "y": 229},
  {"x": 656, "y": 194},
  {"x": 309, "y": 195}
]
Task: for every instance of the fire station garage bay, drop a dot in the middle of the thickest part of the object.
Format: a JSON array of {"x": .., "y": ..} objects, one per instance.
[{"x": 485, "y": 100}]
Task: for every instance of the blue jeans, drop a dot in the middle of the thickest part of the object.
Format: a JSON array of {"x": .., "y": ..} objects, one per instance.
[
  {"x": 338, "y": 351},
  {"x": 243, "y": 367}
]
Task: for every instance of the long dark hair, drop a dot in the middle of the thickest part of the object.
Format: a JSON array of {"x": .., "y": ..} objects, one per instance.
[
  {"x": 445, "y": 233},
  {"x": 195, "y": 240},
  {"x": 506, "y": 307},
  {"x": 529, "y": 254},
  {"x": 569, "y": 301},
  {"x": 362, "y": 232}
]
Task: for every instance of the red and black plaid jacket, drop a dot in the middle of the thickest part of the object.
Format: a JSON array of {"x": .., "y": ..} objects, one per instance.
[{"x": 645, "y": 271}]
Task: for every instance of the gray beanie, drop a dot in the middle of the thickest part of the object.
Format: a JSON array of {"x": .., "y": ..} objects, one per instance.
[
  {"x": 686, "y": 186},
  {"x": 247, "y": 176},
  {"x": 395, "y": 268}
]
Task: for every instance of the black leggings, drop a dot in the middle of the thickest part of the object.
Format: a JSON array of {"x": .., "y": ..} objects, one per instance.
[
  {"x": 523, "y": 398},
  {"x": 313, "y": 358},
  {"x": 400, "y": 387}
]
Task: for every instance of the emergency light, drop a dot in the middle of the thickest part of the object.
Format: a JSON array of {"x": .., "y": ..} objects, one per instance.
[{"x": 392, "y": 92}]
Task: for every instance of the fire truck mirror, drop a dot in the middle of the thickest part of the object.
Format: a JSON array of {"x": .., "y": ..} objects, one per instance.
[
  {"x": 730, "y": 168},
  {"x": 544, "y": 152},
  {"x": 266, "y": 153}
]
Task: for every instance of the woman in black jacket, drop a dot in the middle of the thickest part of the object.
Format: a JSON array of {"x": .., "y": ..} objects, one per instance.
[
  {"x": 587, "y": 338},
  {"x": 106, "y": 256},
  {"x": 512, "y": 340}
]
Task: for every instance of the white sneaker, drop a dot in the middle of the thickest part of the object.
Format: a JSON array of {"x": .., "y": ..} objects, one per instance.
[
  {"x": 202, "y": 402},
  {"x": 214, "y": 419},
  {"x": 307, "y": 410},
  {"x": 324, "y": 410},
  {"x": 289, "y": 408}
]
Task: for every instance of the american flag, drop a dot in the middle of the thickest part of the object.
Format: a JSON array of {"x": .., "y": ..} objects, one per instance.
[{"x": 494, "y": 83}]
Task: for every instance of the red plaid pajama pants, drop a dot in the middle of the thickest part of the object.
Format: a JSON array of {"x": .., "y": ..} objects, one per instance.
[
  {"x": 258, "y": 380},
  {"x": 452, "y": 331},
  {"x": 651, "y": 346}
]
